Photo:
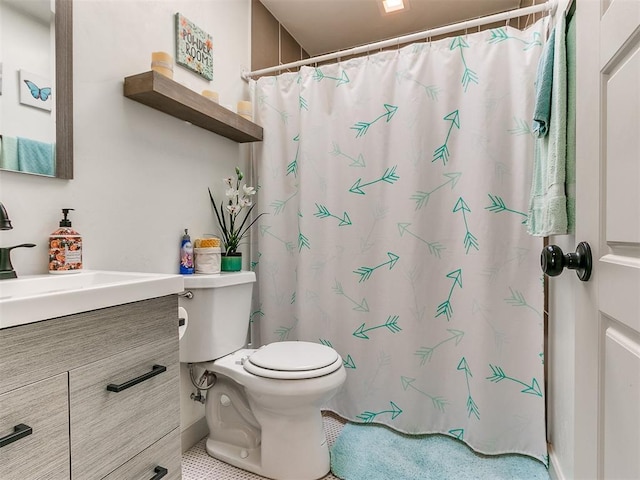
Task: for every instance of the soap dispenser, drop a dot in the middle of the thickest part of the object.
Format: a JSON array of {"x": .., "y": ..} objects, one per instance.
[{"x": 65, "y": 248}]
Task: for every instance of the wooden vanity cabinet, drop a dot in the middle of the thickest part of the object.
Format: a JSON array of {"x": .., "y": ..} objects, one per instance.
[{"x": 99, "y": 391}]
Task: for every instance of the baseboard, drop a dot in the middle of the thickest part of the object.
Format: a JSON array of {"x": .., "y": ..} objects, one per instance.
[
  {"x": 194, "y": 433},
  {"x": 555, "y": 471}
]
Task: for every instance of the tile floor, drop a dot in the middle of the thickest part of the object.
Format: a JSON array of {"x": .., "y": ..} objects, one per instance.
[{"x": 198, "y": 465}]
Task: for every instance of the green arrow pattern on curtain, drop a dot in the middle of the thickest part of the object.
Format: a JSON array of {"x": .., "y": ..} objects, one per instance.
[
  {"x": 279, "y": 205},
  {"x": 391, "y": 324},
  {"x": 323, "y": 212},
  {"x": 498, "y": 375},
  {"x": 389, "y": 176},
  {"x": 304, "y": 105},
  {"x": 517, "y": 300},
  {"x": 363, "y": 127},
  {"x": 418, "y": 310},
  {"x": 379, "y": 213},
  {"x": 303, "y": 241},
  {"x": 438, "y": 402},
  {"x": 318, "y": 76},
  {"x": 293, "y": 166},
  {"x": 468, "y": 75},
  {"x": 254, "y": 263},
  {"x": 266, "y": 230},
  {"x": 435, "y": 248},
  {"x": 366, "y": 272},
  {"x": 363, "y": 306},
  {"x": 346, "y": 362},
  {"x": 500, "y": 35},
  {"x": 442, "y": 152},
  {"x": 426, "y": 352},
  {"x": 498, "y": 205},
  {"x": 283, "y": 332},
  {"x": 256, "y": 313},
  {"x": 445, "y": 308},
  {"x": 284, "y": 116},
  {"x": 430, "y": 90},
  {"x": 472, "y": 408},
  {"x": 368, "y": 417},
  {"x": 470, "y": 240},
  {"x": 422, "y": 198},
  {"x": 355, "y": 161},
  {"x": 522, "y": 128}
]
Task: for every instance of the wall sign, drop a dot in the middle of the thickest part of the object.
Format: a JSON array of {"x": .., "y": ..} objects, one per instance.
[{"x": 193, "y": 47}]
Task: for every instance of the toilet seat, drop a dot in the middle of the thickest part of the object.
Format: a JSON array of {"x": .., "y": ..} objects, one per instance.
[{"x": 293, "y": 361}]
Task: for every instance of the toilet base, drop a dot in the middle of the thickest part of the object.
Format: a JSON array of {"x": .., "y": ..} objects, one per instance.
[
  {"x": 247, "y": 459},
  {"x": 307, "y": 455},
  {"x": 271, "y": 427}
]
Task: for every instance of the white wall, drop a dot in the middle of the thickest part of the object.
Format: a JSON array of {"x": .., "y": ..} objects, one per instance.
[{"x": 141, "y": 176}]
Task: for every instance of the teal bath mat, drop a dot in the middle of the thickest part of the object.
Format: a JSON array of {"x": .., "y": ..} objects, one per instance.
[{"x": 373, "y": 452}]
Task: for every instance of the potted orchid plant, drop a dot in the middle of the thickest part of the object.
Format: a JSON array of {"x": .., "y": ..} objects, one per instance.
[{"x": 233, "y": 215}]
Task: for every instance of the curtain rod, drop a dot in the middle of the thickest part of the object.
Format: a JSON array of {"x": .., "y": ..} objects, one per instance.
[{"x": 498, "y": 17}]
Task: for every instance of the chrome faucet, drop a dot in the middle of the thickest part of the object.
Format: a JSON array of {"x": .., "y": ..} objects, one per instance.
[{"x": 6, "y": 269}]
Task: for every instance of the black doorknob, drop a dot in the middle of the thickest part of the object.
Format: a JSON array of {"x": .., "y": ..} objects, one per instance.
[{"x": 553, "y": 261}]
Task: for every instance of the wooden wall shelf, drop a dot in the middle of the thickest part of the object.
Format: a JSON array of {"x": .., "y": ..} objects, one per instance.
[{"x": 168, "y": 96}]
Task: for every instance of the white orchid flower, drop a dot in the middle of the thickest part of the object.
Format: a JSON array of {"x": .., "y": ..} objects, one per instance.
[
  {"x": 232, "y": 209},
  {"x": 231, "y": 192},
  {"x": 228, "y": 181},
  {"x": 248, "y": 190},
  {"x": 244, "y": 202}
]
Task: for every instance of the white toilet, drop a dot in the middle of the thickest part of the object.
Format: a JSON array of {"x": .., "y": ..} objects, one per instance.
[{"x": 263, "y": 412}]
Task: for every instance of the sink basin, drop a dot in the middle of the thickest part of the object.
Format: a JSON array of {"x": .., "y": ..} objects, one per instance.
[{"x": 32, "y": 298}]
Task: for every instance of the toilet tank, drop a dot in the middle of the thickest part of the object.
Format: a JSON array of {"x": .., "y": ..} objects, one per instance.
[{"x": 218, "y": 315}]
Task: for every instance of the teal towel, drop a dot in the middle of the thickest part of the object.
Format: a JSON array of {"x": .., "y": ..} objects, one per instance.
[
  {"x": 548, "y": 202},
  {"x": 570, "y": 182},
  {"x": 374, "y": 452},
  {"x": 544, "y": 82},
  {"x": 9, "y": 156},
  {"x": 35, "y": 157}
]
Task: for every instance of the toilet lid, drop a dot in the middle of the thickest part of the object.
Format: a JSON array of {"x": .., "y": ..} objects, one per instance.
[{"x": 293, "y": 360}]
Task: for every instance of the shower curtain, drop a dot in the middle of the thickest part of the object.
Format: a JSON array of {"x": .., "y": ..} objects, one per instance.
[{"x": 396, "y": 189}]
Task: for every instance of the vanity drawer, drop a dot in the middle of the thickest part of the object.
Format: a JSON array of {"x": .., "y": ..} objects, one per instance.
[
  {"x": 32, "y": 352},
  {"x": 44, "y": 453},
  {"x": 109, "y": 427},
  {"x": 165, "y": 453}
]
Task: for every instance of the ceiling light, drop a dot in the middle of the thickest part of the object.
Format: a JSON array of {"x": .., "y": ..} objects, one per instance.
[{"x": 392, "y": 5}]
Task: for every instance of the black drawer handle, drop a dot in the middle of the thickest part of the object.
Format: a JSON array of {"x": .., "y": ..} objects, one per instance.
[
  {"x": 157, "y": 370},
  {"x": 160, "y": 472},
  {"x": 19, "y": 431}
]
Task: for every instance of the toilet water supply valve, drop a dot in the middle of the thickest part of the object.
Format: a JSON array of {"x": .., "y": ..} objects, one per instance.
[
  {"x": 205, "y": 382},
  {"x": 198, "y": 397}
]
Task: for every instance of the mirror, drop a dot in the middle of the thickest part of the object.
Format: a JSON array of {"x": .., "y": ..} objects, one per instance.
[{"x": 36, "y": 113}]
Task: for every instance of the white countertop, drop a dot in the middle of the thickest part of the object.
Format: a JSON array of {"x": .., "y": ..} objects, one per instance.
[{"x": 32, "y": 298}]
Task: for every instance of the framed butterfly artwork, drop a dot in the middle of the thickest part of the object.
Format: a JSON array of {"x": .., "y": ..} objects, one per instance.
[{"x": 35, "y": 90}]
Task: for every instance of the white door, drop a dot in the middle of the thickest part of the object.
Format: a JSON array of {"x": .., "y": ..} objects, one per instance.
[{"x": 607, "y": 429}]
